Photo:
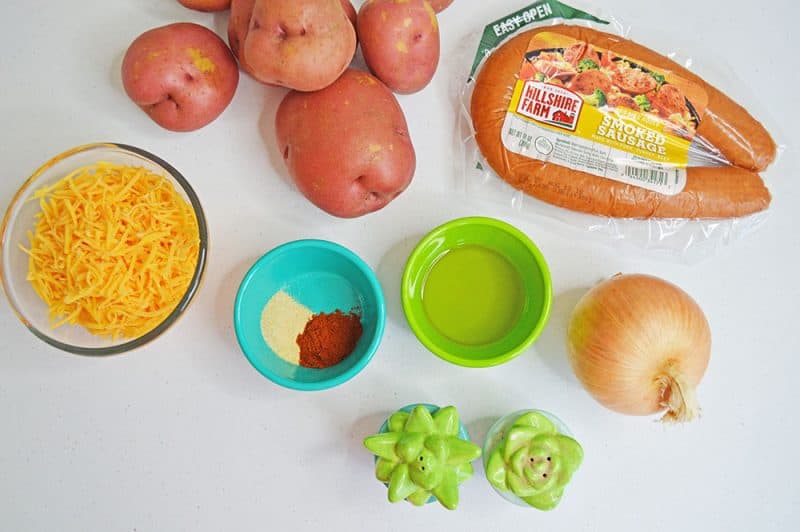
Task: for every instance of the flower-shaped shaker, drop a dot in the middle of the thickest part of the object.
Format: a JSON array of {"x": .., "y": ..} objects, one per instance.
[
  {"x": 422, "y": 454},
  {"x": 529, "y": 458}
]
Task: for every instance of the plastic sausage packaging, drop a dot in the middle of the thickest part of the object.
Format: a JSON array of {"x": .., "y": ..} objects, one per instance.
[{"x": 595, "y": 123}]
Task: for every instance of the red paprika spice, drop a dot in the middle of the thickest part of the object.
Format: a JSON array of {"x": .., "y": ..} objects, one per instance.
[{"x": 328, "y": 339}]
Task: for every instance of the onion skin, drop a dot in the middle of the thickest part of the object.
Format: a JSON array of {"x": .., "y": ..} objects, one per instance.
[{"x": 640, "y": 345}]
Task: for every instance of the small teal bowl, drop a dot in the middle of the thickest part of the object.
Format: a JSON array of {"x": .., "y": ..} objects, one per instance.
[{"x": 324, "y": 277}]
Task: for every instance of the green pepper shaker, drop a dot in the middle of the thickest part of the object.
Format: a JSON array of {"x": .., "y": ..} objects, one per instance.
[
  {"x": 423, "y": 454},
  {"x": 529, "y": 457}
]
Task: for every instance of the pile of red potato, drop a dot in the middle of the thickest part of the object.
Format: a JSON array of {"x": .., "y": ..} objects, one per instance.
[{"x": 341, "y": 131}]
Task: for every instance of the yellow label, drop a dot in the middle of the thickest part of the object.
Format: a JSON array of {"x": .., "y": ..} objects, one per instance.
[{"x": 624, "y": 129}]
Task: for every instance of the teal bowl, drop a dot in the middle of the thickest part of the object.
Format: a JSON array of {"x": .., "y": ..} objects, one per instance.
[{"x": 324, "y": 277}]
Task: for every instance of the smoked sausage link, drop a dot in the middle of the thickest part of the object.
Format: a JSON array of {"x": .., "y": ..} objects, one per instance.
[{"x": 710, "y": 192}]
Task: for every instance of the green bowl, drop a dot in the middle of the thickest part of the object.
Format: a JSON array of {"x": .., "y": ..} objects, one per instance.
[{"x": 476, "y": 292}]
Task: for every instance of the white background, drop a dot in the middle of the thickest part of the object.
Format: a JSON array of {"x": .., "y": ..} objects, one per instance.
[{"x": 185, "y": 435}]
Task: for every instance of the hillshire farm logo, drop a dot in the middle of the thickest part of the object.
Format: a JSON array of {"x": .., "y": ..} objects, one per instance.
[{"x": 550, "y": 104}]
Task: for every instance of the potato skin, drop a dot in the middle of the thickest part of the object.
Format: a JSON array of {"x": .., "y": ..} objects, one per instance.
[
  {"x": 440, "y": 5},
  {"x": 400, "y": 42},
  {"x": 347, "y": 147},
  {"x": 206, "y": 5},
  {"x": 238, "y": 25},
  {"x": 300, "y": 44},
  {"x": 182, "y": 75},
  {"x": 350, "y": 11}
]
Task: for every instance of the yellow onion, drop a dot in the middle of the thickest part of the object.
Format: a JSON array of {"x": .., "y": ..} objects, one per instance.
[{"x": 640, "y": 345}]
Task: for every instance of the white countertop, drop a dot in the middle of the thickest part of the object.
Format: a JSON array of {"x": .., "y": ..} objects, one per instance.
[{"x": 185, "y": 435}]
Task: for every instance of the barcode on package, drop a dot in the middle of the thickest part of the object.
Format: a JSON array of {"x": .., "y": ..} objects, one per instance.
[
  {"x": 535, "y": 141},
  {"x": 647, "y": 175}
]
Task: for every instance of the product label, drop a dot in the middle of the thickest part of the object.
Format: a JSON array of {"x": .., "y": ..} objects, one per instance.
[
  {"x": 595, "y": 111},
  {"x": 533, "y": 14}
]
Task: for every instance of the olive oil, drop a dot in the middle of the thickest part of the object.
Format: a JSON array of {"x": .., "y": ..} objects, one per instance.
[{"x": 473, "y": 295}]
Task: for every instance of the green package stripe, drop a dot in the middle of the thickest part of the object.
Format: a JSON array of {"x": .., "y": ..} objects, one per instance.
[{"x": 501, "y": 28}]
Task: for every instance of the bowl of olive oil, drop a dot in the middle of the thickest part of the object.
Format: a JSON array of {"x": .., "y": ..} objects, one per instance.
[{"x": 476, "y": 291}]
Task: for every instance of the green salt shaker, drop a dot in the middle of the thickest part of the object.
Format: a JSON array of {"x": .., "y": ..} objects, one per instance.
[
  {"x": 423, "y": 454},
  {"x": 529, "y": 457}
]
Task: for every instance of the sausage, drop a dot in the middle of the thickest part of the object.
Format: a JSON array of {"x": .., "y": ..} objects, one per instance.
[
  {"x": 622, "y": 100},
  {"x": 727, "y": 126},
  {"x": 587, "y": 82},
  {"x": 711, "y": 192},
  {"x": 578, "y": 52},
  {"x": 634, "y": 81},
  {"x": 668, "y": 101}
]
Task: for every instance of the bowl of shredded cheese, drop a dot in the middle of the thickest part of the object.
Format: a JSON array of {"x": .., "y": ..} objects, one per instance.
[{"x": 102, "y": 249}]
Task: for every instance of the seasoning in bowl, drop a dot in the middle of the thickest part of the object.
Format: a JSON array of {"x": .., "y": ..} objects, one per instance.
[
  {"x": 303, "y": 338},
  {"x": 114, "y": 249},
  {"x": 329, "y": 338},
  {"x": 281, "y": 320},
  {"x": 323, "y": 277}
]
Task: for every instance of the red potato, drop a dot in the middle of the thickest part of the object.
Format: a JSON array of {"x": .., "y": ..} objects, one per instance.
[
  {"x": 238, "y": 25},
  {"x": 440, "y": 5},
  {"x": 301, "y": 44},
  {"x": 350, "y": 11},
  {"x": 347, "y": 146},
  {"x": 182, "y": 75},
  {"x": 206, "y": 5},
  {"x": 400, "y": 42}
]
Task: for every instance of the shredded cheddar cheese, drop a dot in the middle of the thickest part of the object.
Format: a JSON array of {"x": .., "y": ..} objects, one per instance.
[{"x": 114, "y": 249}]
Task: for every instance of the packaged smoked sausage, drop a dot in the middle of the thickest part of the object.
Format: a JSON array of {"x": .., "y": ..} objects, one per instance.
[{"x": 563, "y": 115}]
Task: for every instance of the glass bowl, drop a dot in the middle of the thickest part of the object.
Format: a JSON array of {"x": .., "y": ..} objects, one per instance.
[{"x": 20, "y": 218}]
